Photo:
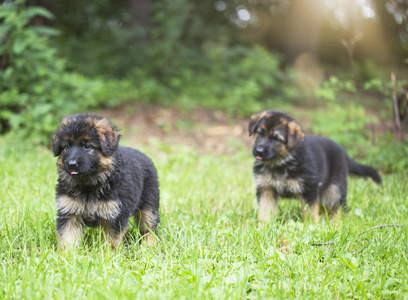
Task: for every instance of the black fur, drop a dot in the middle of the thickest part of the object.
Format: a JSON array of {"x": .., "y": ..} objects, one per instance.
[
  {"x": 101, "y": 183},
  {"x": 313, "y": 167}
]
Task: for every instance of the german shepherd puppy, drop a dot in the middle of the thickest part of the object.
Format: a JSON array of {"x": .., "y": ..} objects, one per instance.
[
  {"x": 101, "y": 183},
  {"x": 289, "y": 163}
]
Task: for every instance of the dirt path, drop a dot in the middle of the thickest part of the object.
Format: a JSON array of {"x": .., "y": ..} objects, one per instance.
[{"x": 209, "y": 131}]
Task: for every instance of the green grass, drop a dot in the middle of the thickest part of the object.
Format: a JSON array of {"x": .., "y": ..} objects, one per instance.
[{"x": 211, "y": 245}]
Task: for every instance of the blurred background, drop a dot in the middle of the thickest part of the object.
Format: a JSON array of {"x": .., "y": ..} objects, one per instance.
[{"x": 161, "y": 67}]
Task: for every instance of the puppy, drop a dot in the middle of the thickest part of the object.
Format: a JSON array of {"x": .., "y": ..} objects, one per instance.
[
  {"x": 289, "y": 163},
  {"x": 101, "y": 183}
]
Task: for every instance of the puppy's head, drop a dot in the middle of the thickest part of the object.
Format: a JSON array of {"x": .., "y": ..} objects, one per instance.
[
  {"x": 275, "y": 136},
  {"x": 84, "y": 144}
]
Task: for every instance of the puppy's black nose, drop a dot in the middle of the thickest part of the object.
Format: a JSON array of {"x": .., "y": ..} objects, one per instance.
[
  {"x": 259, "y": 150},
  {"x": 72, "y": 163}
]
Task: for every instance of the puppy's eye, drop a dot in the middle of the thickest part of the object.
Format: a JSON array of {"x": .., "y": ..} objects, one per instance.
[
  {"x": 277, "y": 137},
  {"x": 87, "y": 146},
  {"x": 67, "y": 146},
  {"x": 261, "y": 132}
]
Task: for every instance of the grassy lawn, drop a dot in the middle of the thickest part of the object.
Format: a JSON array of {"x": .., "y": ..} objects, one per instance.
[{"x": 211, "y": 245}]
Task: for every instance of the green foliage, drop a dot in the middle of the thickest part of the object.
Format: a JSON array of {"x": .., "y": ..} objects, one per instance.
[
  {"x": 237, "y": 79},
  {"x": 343, "y": 122},
  {"x": 384, "y": 87},
  {"x": 98, "y": 38},
  {"x": 331, "y": 88},
  {"x": 367, "y": 70},
  {"x": 346, "y": 125},
  {"x": 388, "y": 154},
  {"x": 35, "y": 87},
  {"x": 182, "y": 57}
]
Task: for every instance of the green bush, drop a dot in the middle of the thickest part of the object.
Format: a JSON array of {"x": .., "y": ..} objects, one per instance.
[
  {"x": 36, "y": 90},
  {"x": 238, "y": 80},
  {"x": 346, "y": 125}
]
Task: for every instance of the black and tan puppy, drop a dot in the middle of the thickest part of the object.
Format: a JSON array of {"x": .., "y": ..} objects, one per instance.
[
  {"x": 290, "y": 163},
  {"x": 101, "y": 183}
]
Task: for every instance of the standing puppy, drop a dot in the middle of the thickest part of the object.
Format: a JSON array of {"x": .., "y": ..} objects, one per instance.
[
  {"x": 101, "y": 183},
  {"x": 291, "y": 164}
]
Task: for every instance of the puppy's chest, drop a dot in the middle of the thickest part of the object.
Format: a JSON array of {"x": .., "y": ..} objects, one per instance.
[
  {"x": 280, "y": 182},
  {"x": 107, "y": 210}
]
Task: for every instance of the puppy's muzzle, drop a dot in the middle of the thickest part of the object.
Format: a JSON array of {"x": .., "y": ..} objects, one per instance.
[{"x": 259, "y": 152}]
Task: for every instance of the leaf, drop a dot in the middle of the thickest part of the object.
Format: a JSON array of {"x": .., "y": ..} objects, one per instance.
[
  {"x": 19, "y": 46},
  {"x": 4, "y": 28},
  {"x": 37, "y": 11},
  {"x": 5, "y": 11},
  {"x": 47, "y": 31}
]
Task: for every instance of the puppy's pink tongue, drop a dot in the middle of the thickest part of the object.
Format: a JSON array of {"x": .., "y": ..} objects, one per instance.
[
  {"x": 258, "y": 157},
  {"x": 74, "y": 173}
]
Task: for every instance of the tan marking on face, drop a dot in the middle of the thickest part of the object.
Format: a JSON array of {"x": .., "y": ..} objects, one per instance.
[
  {"x": 253, "y": 139},
  {"x": 60, "y": 162},
  {"x": 255, "y": 120},
  {"x": 280, "y": 184},
  {"x": 85, "y": 138},
  {"x": 266, "y": 204},
  {"x": 106, "y": 131},
  {"x": 261, "y": 115},
  {"x": 278, "y": 132},
  {"x": 70, "y": 236},
  {"x": 295, "y": 134},
  {"x": 103, "y": 125},
  {"x": 115, "y": 239},
  {"x": 295, "y": 128},
  {"x": 67, "y": 120},
  {"x": 265, "y": 114},
  {"x": 55, "y": 139},
  {"x": 105, "y": 162},
  {"x": 283, "y": 121},
  {"x": 103, "y": 209}
]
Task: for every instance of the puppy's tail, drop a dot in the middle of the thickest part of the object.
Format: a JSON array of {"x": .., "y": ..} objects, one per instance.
[{"x": 354, "y": 168}]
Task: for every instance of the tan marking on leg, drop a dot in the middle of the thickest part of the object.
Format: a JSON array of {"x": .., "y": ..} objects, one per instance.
[
  {"x": 267, "y": 204},
  {"x": 310, "y": 211},
  {"x": 115, "y": 239},
  {"x": 149, "y": 240},
  {"x": 147, "y": 219},
  {"x": 315, "y": 211},
  {"x": 70, "y": 236},
  {"x": 302, "y": 203},
  {"x": 336, "y": 215}
]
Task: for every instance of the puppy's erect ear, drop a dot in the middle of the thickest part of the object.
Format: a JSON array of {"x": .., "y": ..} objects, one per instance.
[
  {"x": 295, "y": 134},
  {"x": 56, "y": 144},
  {"x": 253, "y": 123},
  {"x": 108, "y": 136}
]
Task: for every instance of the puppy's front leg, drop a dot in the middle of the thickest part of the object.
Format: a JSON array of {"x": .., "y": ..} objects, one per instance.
[
  {"x": 114, "y": 232},
  {"x": 267, "y": 203},
  {"x": 69, "y": 229}
]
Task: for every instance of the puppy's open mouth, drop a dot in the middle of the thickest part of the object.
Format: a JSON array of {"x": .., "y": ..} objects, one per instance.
[
  {"x": 74, "y": 172},
  {"x": 259, "y": 157}
]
